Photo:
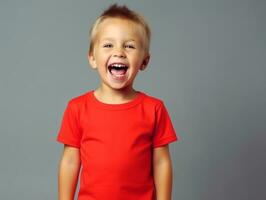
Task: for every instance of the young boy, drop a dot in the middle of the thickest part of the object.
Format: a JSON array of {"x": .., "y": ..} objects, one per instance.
[{"x": 118, "y": 135}]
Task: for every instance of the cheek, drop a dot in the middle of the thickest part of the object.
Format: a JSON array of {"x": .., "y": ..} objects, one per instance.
[
  {"x": 137, "y": 60},
  {"x": 101, "y": 58}
]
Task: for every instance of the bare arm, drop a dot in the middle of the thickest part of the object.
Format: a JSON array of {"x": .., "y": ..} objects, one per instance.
[
  {"x": 162, "y": 167},
  {"x": 69, "y": 167}
]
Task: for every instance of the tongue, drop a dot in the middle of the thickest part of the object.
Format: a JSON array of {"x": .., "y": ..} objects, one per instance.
[{"x": 118, "y": 71}]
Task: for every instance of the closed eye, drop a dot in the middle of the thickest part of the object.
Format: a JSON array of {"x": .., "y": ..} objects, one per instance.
[
  {"x": 107, "y": 45},
  {"x": 130, "y": 46}
]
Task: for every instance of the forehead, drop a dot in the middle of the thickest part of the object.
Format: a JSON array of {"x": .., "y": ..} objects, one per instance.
[{"x": 117, "y": 27}]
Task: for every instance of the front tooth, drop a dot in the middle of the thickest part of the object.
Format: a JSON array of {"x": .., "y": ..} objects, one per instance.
[{"x": 118, "y": 65}]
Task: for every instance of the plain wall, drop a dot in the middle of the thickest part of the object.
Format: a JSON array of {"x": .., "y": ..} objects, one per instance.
[{"x": 207, "y": 64}]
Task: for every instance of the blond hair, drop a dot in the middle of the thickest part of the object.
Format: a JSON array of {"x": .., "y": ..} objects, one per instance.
[{"x": 123, "y": 12}]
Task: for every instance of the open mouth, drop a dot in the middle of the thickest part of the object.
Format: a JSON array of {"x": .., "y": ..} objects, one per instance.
[{"x": 117, "y": 69}]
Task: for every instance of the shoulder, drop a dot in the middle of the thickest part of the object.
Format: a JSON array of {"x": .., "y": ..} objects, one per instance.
[
  {"x": 152, "y": 100},
  {"x": 79, "y": 100}
]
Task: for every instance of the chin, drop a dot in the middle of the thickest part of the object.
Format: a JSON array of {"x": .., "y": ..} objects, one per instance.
[{"x": 119, "y": 86}]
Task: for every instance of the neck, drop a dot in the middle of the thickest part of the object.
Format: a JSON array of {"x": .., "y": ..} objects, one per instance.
[{"x": 109, "y": 95}]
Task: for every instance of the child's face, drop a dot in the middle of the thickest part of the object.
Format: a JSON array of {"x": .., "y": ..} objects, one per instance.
[{"x": 118, "y": 53}]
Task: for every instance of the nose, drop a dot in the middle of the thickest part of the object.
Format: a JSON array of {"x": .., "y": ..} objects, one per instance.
[{"x": 118, "y": 52}]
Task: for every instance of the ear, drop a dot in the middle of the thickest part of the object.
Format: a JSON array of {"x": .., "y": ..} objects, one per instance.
[
  {"x": 92, "y": 60},
  {"x": 145, "y": 62}
]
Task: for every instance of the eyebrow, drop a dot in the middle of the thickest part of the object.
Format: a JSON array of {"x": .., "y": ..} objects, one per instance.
[{"x": 111, "y": 39}]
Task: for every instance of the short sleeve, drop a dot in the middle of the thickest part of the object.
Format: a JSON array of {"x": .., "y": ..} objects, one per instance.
[
  {"x": 164, "y": 132},
  {"x": 69, "y": 132}
]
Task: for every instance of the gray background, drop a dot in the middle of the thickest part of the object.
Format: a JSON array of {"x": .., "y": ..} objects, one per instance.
[{"x": 207, "y": 64}]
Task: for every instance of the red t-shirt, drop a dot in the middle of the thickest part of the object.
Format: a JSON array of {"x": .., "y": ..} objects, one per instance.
[{"x": 115, "y": 142}]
